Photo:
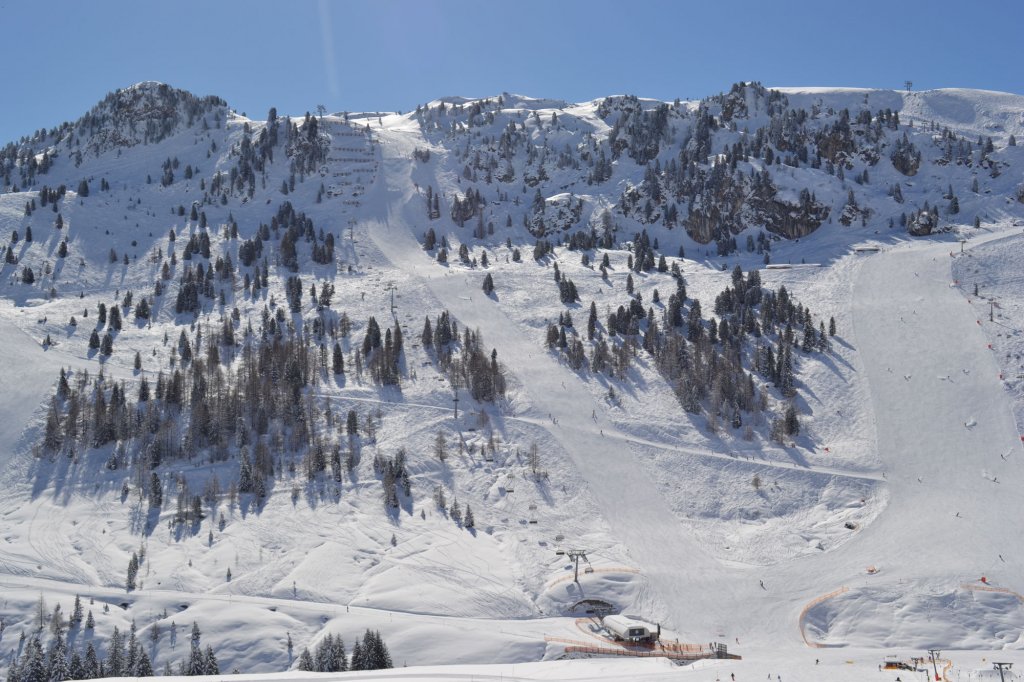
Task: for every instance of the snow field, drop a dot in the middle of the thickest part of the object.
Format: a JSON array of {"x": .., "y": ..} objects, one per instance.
[{"x": 676, "y": 529}]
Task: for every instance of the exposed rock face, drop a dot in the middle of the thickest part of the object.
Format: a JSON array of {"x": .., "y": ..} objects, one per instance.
[{"x": 922, "y": 224}]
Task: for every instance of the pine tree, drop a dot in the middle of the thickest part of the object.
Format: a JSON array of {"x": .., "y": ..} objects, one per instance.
[
  {"x": 144, "y": 668},
  {"x": 358, "y": 660},
  {"x": 467, "y": 518},
  {"x": 57, "y": 664},
  {"x": 132, "y": 660},
  {"x": 337, "y": 360},
  {"x": 156, "y": 491},
  {"x": 440, "y": 447},
  {"x": 91, "y": 663},
  {"x": 196, "y": 660},
  {"x": 375, "y": 653},
  {"x": 427, "y": 337},
  {"x": 115, "y": 656},
  {"x": 133, "y": 570},
  {"x": 33, "y": 663},
  {"x": 76, "y": 668},
  {"x": 210, "y": 666},
  {"x": 791, "y": 421}
]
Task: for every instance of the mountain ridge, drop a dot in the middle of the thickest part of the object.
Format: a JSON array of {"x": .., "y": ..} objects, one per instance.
[{"x": 665, "y": 329}]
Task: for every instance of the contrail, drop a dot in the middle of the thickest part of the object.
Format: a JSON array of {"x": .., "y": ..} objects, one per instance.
[{"x": 327, "y": 37}]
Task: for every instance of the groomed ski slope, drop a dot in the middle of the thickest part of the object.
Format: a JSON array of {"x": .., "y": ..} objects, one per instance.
[
  {"x": 942, "y": 420},
  {"x": 941, "y": 416},
  {"x": 948, "y": 463},
  {"x": 628, "y": 497}
]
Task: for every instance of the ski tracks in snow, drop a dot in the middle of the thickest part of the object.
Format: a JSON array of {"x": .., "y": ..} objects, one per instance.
[{"x": 630, "y": 501}]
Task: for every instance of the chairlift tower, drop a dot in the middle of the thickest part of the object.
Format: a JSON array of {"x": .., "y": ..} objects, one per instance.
[
  {"x": 575, "y": 555},
  {"x": 934, "y": 655},
  {"x": 392, "y": 288},
  {"x": 1001, "y": 667}
]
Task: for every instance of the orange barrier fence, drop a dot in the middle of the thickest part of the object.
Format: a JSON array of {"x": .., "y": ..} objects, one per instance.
[
  {"x": 810, "y": 605},
  {"x": 989, "y": 588}
]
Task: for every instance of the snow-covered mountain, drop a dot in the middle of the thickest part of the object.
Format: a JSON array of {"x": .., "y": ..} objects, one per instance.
[{"x": 387, "y": 371}]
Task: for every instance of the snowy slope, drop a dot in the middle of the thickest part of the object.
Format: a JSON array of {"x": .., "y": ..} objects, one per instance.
[{"x": 869, "y": 535}]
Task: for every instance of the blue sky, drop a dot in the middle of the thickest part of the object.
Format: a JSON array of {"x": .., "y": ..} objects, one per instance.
[{"x": 60, "y": 58}]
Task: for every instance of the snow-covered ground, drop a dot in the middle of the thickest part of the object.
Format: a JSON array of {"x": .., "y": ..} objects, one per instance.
[{"x": 886, "y": 529}]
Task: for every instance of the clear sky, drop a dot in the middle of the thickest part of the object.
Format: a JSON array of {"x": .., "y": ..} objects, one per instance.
[{"x": 58, "y": 58}]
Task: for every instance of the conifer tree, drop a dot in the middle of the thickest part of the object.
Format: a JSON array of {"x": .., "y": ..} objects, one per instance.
[
  {"x": 306, "y": 660},
  {"x": 144, "y": 668},
  {"x": 455, "y": 512},
  {"x": 91, "y": 664},
  {"x": 197, "y": 660},
  {"x": 337, "y": 360},
  {"x": 210, "y": 666},
  {"x": 133, "y": 570},
  {"x": 115, "y": 655},
  {"x": 427, "y": 337},
  {"x": 358, "y": 660}
]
